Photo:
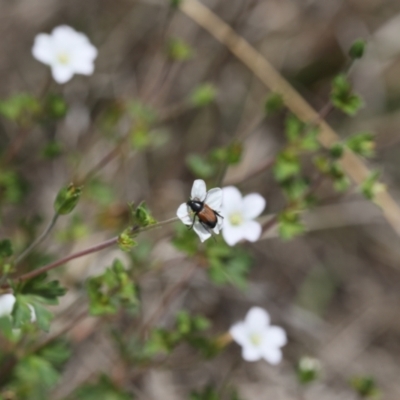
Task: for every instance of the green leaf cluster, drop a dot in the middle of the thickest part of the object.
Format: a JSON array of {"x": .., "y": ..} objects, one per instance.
[
  {"x": 67, "y": 199},
  {"x": 273, "y": 103},
  {"x": 207, "y": 166},
  {"x": 179, "y": 50},
  {"x": 334, "y": 170},
  {"x": 362, "y": 143},
  {"x": 371, "y": 186},
  {"x": 228, "y": 265},
  {"x": 343, "y": 97},
  {"x": 111, "y": 291},
  {"x": 104, "y": 389},
  {"x": 365, "y": 386},
  {"x": 290, "y": 224},
  {"x": 21, "y": 108},
  {"x": 308, "y": 370},
  {"x": 203, "y": 95}
]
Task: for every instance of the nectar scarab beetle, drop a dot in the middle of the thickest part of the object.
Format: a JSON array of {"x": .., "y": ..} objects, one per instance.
[{"x": 208, "y": 217}]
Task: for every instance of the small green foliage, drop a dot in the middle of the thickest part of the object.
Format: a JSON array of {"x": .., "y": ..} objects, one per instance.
[
  {"x": 362, "y": 144},
  {"x": 100, "y": 192},
  {"x": 57, "y": 352},
  {"x": 203, "y": 95},
  {"x": 290, "y": 224},
  {"x": 175, "y": 3},
  {"x": 296, "y": 189},
  {"x": 287, "y": 165},
  {"x": 343, "y": 97},
  {"x": 200, "y": 167},
  {"x": 231, "y": 154},
  {"x": 357, "y": 49},
  {"x": 55, "y": 106},
  {"x": 67, "y": 199},
  {"x": 143, "y": 216},
  {"x": 228, "y": 265},
  {"x": 208, "y": 393},
  {"x": 308, "y": 370},
  {"x": 340, "y": 180},
  {"x": 104, "y": 389},
  {"x": 185, "y": 240},
  {"x": 365, "y": 387},
  {"x": 371, "y": 186},
  {"x": 336, "y": 151},
  {"x": 21, "y": 108},
  {"x": 34, "y": 377},
  {"x": 52, "y": 150},
  {"x": 179, "y": 50},
  {"x": 12, "y": 187},
  {"x": 6, "y": 249},
  {"x": 48, "y": 291},
  {"x": 112, "y": 290},
  {"x": 273, "y": 103},
  {"x": 294, "y": 128},
  {"x": 126, "y": 240}
]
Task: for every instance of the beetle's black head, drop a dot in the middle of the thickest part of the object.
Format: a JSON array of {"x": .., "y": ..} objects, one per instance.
[{"x": 195, "y": 205}]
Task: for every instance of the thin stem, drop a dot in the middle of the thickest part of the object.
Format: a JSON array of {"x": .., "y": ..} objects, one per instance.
[
  {"x": 90, "y": 250},
  {"x": 38, "y": 240}
]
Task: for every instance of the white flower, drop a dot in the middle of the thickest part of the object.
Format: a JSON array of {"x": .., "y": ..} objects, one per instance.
[
  {"x": 66, "y": 51},
  {"x": 212, "y": 198},
  {"x": 258, "y": 338},
  {"x": 239, "y": 213},
  {"x": 7, "y": 302}
]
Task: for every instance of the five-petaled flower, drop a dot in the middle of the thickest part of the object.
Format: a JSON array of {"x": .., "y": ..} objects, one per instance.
[
  {"x": 211, "y": 199},
  {"x": 239, "y": 213},
  {"x": 258, "y": 338},
  {"x": 66, "y": 51}
]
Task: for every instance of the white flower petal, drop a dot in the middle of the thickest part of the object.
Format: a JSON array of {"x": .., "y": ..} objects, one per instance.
[
  {"x": 232, "y": 234},
  {"x": 232, "y": 200},
  {"x": 64, "y": 35},
  {"x": 239, "y": 334},
  {"x": 43, "y": 49},
  {"x": 276, "y": 336},
  {"x": 203, "y": 233},
  {"x": 82, "y": 66},
  {"x": 199, "y": 190},
  {"x": 251, "y": 230},
  {"x": 62, "y": 73},
  {"x": 214, "y": 199},
  {"x": 271, "y": 354},
  {"x": 257, "y": 318},
  {"x": 7, "y": 302},
  {"x": 251, "y": 353},
  {"x": 183, "y": 214},
  {"x": 253, "y": 205}
]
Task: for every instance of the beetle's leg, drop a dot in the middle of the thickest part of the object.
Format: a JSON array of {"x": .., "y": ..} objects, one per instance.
[
  {"x": 194, "y": 220},
  {"x": 219, "y": 215}
]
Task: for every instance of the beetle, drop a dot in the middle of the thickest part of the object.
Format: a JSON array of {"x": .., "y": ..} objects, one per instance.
[{"x": 208, "y": 217}]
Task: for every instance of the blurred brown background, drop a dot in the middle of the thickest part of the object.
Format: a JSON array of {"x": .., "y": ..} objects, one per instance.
[{"x": 335, "y": 290}]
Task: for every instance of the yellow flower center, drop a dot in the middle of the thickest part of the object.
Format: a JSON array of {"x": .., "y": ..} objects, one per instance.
[
  {"x": 63, "y": 58},
  {"x": 255, "y": 338},
  {"x": 236, "y": 219}
]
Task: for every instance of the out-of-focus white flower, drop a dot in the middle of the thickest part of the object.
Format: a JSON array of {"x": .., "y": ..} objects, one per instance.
[
  {"x": 7, "y": 302},
  {"x": 212, "y": 199},
  {"x": 66, "y": 51},
  {"x": 239, "y": 213},
  {"x": 258, "y": 338}
]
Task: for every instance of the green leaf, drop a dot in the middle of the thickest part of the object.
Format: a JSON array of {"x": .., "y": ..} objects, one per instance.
[
  {"x": 342, "y": 96},
  {"x": 203, "y": 95},
  {"x": 290, "y": 225},
  {"x": 294, "y": 128},
  {"x": 47, "y": 291},
  {"x": 67, "y": 199},
  {"x": 336, "y": 151},
  {"x": 199, "y": 166},
  {"x": 365, "y": 386},
  {"x": 287, "y": 165},
  {"x": 111, "y": 291},
  {"x": 273, "y": 103},
  {"x": 309, "y": 141},
  {"x": 6, "y": 249},
  {"x": 55, "y": 106},
  {"x": 57, "y": 352},
  {"x": 371, "y": 186},
  {"x": 357, "y": 49},
  {"x": 21, "y": 106},
  {"x": 43, "y": 316},
  {"x": 126, "y": 240},
  {"x": 21, "y": 313},
  {"x": 104, "y": 389},
  {"x": 362, "y": 143},
  {"x": 179, "y": 50},
  {"x": 296, "y": 188}
]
